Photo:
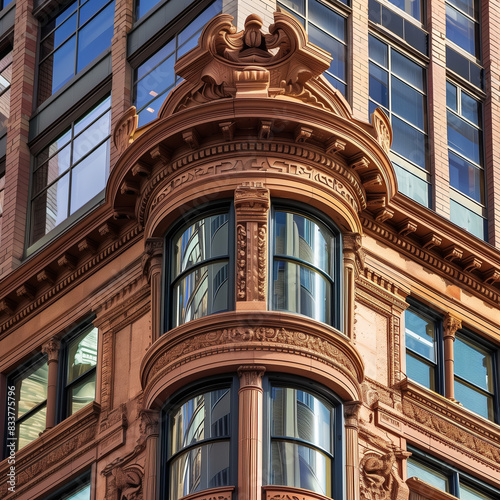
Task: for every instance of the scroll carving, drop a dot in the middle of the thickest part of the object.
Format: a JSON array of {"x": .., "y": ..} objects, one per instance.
[
  {"x": 125, "y": 129},
  {"x": 128, "y": 482},
  {"x": 383, "y": 129}
]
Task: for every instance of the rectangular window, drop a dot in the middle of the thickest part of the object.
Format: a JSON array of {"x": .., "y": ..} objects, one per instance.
[
  {"x": 327, "y": 29},
  {"x": 79, "y": 370},
  {"x": 397, "y": 84},
  {"x": 5, "y": 79},
  {"x": 30, "y": 387},
  {"x": 155, "y": 77},
  {"x": 71, "y": 40},
  {"x": 77, "y": 489},
  {"x": 465, "y": 155},
  {"x": 444, "y": 477},
  {"x": 462, "y": 25},
  {"x": 71, "y": 172},
  {"x": 423, "y": 337}
]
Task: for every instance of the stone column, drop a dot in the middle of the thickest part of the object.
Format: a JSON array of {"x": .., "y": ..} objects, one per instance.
[
  {"x": 51, "y": 348},
  {"x": 353, "y": 265},
  {"x": 153, "y": 263},
  {"x": 150, "y": 429},
  {"x": 251, "y": 203},
  {"x": 250, "y": 432},
  {"x": 450, "y": 327},
  {"x": 351, "y": 412}
]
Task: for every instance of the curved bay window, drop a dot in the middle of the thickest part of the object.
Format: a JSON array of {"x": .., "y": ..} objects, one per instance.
[
  {"x": 302, "y": 441},
  {"x": 199, "y": 276},
  {"x": 198, "y": 452},
  {"x": 305, "y": 270}
]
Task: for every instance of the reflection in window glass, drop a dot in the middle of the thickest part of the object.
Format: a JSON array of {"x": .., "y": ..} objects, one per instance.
[
  {"x": 156, "y": 77},
  {"x": 193, "y": 467},
  {"x": 462, "y": 27},
  {"x": 301, "y": 440},
  {"x": 326, "y": 28},
  {"x": 431, "y": 476},
  {"x": 71, "y": 40},
  {"x": 71, "y": 171},
  {"x": 421, "y": 357},
  {"x": 30, "y": 384},
  {"x": 473, "y": 367},
  {"x": 5, "y": 79},
  {"x": 411, "y": 7},
  {"x": 303, "y": 269},
  {"x": 199, "y": 289},
  {"x": 81, "y": 372}
]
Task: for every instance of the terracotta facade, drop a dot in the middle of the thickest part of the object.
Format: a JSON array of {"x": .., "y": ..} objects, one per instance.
[{"x": 255, "y": 128}]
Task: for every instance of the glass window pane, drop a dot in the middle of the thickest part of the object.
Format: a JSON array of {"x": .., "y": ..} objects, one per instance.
[
  {"x": 51, "y": 170},
  {"x": 81, "y": 493},
  {"x": 427, "y": 474},
  {"x": 86, "y": 120},
  {"x": 91, "y": 137},
  {"x": 379, "y": 85},
  {"x": 31, "y": 389},
  {"x": 409, "y": 142},
  {"x": 156, "y": 59},
  {"x": 451, "y": 96},
  {"x": 327, "y": 42},
  {"x": 205, "y": 416},
  {"x": 193, "y": 297},
  {"x": 327, "y": 19},
  {"x": 297, "y": 5},
  {"x": 199, "y": 23},
  {"x": 60, "y": 67},
  {"x": 473, "y": 363},
  {"x": 378, "y": 51},
  {"x": 470, "y": 109},
  {"x": 205, "y": 239},
  {"x": 82, "y": 354},
  {"x": 50, "y": 208},
  {"x": 411, "y": 185},
  {"x": 474, "y": 400},
  {"x": 411, "y": 7},
  {"x": 300, "y": 466},
  {"x": 301, "y": 290},
  {"x": 89, "y": 177},
  {"x": 408, "y": 70},
  {"x": 30, "y": 428},
  {"x": 469, "y": 493},
  {"x": 420, "y": 372},
  {"x": 467, "y": 6},
  {"x": 95, "y": 37},
  {"x": 81, "y": 393},
  {"x": 466, "y": 218},
  {"x": 88, "y": 9},
  {"x": 461, "y": 30},
  {"x": 466, "y": 177},
  {"x": 407, "y": 102},
  {"x": 308, "y": 240},
  {"x": 298, "y": 414},
  {"x": 420, "y": 334},
  {"x": 151, "y": 111},
  {"x": 199, "y": 469}
]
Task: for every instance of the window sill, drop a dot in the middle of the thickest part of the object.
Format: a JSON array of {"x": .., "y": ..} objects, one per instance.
[
  {"x": 426, "y": 491},
  {"x": 441, "y": 407},
  {"x": 55, "y": 447}
]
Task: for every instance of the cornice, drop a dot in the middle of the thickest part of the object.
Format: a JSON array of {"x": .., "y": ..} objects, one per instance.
[
  {"x": 55, "y": 273},
  {"x": 452, "y": 253}
]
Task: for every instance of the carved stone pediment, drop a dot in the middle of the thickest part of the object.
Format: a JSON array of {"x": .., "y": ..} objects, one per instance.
[{"x": 251, "y": 63}]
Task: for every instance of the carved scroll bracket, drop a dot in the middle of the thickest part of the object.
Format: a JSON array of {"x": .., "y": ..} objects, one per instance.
[{"x": 251, "y": 202}]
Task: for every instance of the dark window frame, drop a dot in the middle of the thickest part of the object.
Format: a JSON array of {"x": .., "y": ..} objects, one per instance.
[
  {"x": 200, "y": 212},
  {"x": 63, "y": 387},
  {"x": 271, "y": 380},
  {"x": 182, "y": 396},
  {"x": 72, "y": 487},
  {"x": 454, "y": 474},
  {"x": 279, "y": 205}
]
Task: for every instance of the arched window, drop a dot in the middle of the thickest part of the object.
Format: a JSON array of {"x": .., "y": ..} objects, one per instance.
[
  {"x": 200, "y": 257},
  {"x": 305, "y": 274}
]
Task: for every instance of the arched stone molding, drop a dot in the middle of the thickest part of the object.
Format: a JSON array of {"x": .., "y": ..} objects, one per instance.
[{"x": 223, "y": 342}]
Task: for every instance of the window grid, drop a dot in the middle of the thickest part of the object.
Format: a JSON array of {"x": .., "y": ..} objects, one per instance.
[
  {"x": 398, "y": 85},
  {"x": 65, "y": 50},
  {"x": 81, "y": 151},
  {"x": 462, "y": 25},
  {"x": 465, "y": 155},
  {"x": 155, "y": 77},
  {"x": 326, "y": 28}
]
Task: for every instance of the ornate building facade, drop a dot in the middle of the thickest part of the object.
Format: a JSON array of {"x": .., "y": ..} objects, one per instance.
[{"x": 249, "y": 250}]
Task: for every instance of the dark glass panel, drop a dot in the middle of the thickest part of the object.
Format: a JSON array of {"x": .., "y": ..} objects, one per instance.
[
  {"x": 473, "y": 363},
  {"x": 409, "y": 142},
  {"x": 327, "y": 19},
  {"x": 464, "y": 138},
  {"x": 407, "y": 102},
  {"x": 420, "y": 372},
  {"x": 408, "y": 70},
  {"x": 82, "y": 354},
  {"x": 461, "y": 30},
  {"x": 466, "y": 177},
  {"x": 81, "y": 393},
  {"x": 427, "y": 474},
  {"x": 451, "y": 96}
]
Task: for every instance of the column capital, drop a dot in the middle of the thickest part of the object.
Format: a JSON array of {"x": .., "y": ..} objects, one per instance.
[
  {"x": 153, "y": 256},
  {"x": 150, "y": 422},
  {"x": 251, "y": 376},
  {"x": 450, "y": 326},
  {"x": 51, "y": 348},
  {"x": 251, "y": 202}
]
